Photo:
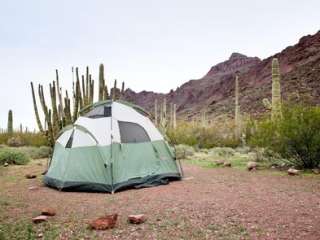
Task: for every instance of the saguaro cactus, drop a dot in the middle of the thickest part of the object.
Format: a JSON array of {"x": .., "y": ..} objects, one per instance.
[
  {"x": 237, "y": 115},
  {"x": 10, "y": 122},
  {"x": 174, "y": 116},
  {"x": 101, "y": 83},
  {"x": 203, "y": 119},
  {"x": 163, "y": 122},
  {"x": 276, "y": 91}
]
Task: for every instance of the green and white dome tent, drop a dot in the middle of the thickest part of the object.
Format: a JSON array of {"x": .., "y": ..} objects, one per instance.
[{"x": 114, "y": 145}]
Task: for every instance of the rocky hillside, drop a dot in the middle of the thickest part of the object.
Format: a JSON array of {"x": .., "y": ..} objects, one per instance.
[{"x": 300, "y": 70}]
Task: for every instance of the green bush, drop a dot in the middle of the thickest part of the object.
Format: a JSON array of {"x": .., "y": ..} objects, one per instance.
[
  {"x": 296, "y": 136},
  {"x": 35, "y": 152},
  {"x": 13, "y": 156},
  {"x": 215, "y": 135}
]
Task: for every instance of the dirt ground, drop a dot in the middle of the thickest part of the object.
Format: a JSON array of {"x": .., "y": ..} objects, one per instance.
[{"x": 217, "y": 203}]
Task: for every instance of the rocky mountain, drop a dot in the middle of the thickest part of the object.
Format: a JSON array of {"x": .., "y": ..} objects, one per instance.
[{"x": 214, "y": 93}]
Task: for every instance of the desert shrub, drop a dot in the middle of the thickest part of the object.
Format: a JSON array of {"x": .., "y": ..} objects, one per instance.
[
  {"x": 13, "y": 156},
  {"x": 36, "y": 152},
  {"x": 24, "y": 138},
  {"x": 15, "y": 141},
  {"x": 184, "y": 151},
  {"x": 219, "y": 134},
  {"x": 296, "y": 136},
  {"x": 221, "y": 152}
]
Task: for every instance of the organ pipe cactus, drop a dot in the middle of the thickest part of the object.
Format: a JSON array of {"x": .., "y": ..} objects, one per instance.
[
  {"x": 10, "y": 122},
  {"x": 35, "y": 107},
  {"x": 61, "y": 111}
]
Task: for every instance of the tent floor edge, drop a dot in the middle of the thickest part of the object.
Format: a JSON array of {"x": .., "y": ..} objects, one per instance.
[{"x": 136, "y": 183}]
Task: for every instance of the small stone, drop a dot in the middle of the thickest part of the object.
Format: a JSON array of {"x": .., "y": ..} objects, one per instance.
[
  {"x": 103, "y": 223},
  {"x": 293, "y": 172},
  {"x": 252, "y": 166},
  {"x": 30, "y": 176},
  {"x": 39, "y": 219},
  {"x": 219, "y": 162},
  {"x": 40, "y": 235},
  {"x": 6, "y": 164},
  {"x": 48, "y": 212},
  {"x": 316, "y": 171},
  {"x": 227, "y": 164},
  {"x": 137, "y": 219},
  {"x": 32, "y": 188}
]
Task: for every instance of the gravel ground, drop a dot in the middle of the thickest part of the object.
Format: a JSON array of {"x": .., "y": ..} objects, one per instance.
[{"x": 217, "y": 203}]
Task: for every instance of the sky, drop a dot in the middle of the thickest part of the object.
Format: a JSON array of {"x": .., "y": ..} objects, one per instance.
[{"x": 150, "y": 45}]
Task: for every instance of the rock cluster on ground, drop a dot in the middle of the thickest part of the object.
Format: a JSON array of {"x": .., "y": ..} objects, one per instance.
[{"x": 105, "y": 222}]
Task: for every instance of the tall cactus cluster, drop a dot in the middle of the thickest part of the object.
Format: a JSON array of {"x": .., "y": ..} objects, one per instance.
[
  {"x": 161, "y": 119},
  {"x": 237, "y": 114},
  {"x": 61, "y": 112},
  {"x": 275, "y": 104},
  {"x": 10, "y": 122}
]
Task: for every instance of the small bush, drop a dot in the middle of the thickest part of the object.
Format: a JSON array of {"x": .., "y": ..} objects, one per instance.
[
  {"x": 15, "y": 142},
  {"x": 183, "y": 151},
  {"x": 13, "y": 156},
  {"x": 36, "y": 152},
  {"x": 296, "y": 136}
]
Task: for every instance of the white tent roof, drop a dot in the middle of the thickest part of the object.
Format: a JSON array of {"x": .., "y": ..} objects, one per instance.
[{"x": 106, "y": 129}]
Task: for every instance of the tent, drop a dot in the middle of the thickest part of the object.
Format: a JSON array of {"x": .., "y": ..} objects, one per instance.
[{"x": 112, "y": 146}]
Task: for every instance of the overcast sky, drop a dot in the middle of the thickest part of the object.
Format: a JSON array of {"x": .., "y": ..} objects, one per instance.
[{"x": 151, "y": 45}]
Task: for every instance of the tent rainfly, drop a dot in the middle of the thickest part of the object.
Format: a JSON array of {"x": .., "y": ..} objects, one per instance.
[{"x": 113, "y": 146}]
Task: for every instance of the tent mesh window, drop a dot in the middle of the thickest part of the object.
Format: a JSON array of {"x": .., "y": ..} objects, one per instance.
[
  {"x": 132, "y": 133},
  {"x": 70, "y": 140},
  {"x": 99, "y": 112}
]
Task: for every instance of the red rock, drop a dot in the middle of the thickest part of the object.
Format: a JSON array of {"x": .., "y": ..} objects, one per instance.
[
  {"x": 30, "y": 176},
  {"x": 39, "y": 219},
  {"x": 105, "y": 222},
  {"x": 48, "y": 212},
  {"x": 137, "y": 219},
  {"x": 293, "y": 172},
  {"x": 252, "y": 166}
]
